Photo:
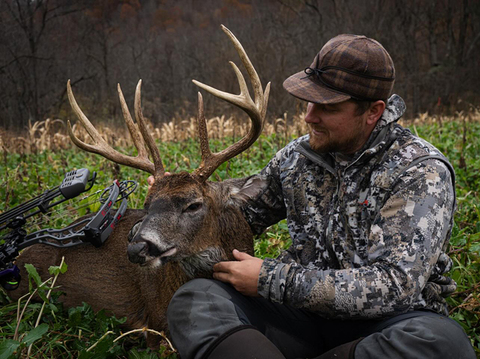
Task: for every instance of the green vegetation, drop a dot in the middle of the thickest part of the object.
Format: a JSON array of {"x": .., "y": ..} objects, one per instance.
[{"x": 60, "y": 332}]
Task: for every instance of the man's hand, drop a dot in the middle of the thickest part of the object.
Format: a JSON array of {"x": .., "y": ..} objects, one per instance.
[
  {"x": 241, "y": 274},
  {"x": 150, "y": 181}
]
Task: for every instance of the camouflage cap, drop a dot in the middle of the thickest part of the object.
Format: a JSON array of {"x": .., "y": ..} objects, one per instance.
[{"x": 348, "y": 66}]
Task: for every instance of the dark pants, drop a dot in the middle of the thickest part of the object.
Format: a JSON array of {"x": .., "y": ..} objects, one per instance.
[{"x": 204, "y": 310}]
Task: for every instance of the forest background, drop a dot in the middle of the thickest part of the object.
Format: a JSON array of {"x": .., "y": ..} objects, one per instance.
[{"x": 435, "y": 45}]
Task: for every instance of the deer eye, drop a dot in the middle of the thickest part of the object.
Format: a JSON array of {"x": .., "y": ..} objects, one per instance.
[{"x": 193, "y": 207}]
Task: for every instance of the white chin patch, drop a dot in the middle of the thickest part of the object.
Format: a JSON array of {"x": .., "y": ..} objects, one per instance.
[{"x": 154, "y": 263}]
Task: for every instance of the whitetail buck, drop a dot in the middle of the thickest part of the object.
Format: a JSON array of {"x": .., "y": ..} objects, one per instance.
[{"x": 188, "y": 223}]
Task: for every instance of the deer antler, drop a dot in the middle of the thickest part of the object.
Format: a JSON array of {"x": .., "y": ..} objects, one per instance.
[
  {"x": 255, "y": 109},
  {"x": 140, "y": 138}
]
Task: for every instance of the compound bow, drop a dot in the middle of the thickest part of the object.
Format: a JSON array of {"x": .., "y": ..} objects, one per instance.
[{"x": 93, "y": 229}]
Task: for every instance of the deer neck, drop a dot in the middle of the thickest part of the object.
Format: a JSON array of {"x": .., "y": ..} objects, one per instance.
[{"x": 200, "y": 265}]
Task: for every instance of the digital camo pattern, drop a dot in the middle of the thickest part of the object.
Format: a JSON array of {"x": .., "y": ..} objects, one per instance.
[{"x": 369, "y": 234}]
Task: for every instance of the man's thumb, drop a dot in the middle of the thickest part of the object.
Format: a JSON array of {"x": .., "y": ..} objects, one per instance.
[{"x": 240, "y": 256}]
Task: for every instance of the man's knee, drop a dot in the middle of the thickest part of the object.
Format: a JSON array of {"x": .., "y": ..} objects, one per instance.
[
  {"x": 418, "y": 337},
  {"x": 197, "y": 293},
  {"x": 200, "y": 311},
  {"x": 184, "y": 296}
]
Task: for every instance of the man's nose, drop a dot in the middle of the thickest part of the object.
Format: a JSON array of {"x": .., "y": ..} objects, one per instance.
[{"x": 312, "y": 115}]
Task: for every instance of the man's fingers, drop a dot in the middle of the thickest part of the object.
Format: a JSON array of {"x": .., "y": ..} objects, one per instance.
[
  {"x": 229, "y": 266},
  {"x": 240, "y": 256},
  {"x": 151, "y": 180},
  {"x": 242, "y": 273},
  {"x": 217, "y": 267},
  {"x": 224, "y": 267},
  {"x": 223, "y": 277}
]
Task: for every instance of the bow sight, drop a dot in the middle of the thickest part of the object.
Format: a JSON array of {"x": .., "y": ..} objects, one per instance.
[{"x": 93, "y": 229}]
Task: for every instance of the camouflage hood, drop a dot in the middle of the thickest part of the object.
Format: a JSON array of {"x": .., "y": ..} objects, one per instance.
[{"x": 369, "y": 233}]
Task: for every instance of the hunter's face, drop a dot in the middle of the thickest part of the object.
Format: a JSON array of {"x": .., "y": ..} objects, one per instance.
[{"x": 336, "y": 127}]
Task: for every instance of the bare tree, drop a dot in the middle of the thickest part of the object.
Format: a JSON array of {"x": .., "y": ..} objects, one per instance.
[
  {"x": 434, "y": 44},
  {"x": 27, "y": 60}
]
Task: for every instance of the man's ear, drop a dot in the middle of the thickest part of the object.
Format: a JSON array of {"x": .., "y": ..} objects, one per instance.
[
  {"x": 375, "y": 112},
  {"x": 243, "y": 190}
]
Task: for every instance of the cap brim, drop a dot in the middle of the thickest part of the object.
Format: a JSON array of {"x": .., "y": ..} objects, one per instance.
[{"x": 304, "y": 88}]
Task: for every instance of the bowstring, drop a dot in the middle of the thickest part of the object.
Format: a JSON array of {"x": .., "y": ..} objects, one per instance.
[
  {"x": 42, "y": 220},
  {"x": 65, "y": 209}
]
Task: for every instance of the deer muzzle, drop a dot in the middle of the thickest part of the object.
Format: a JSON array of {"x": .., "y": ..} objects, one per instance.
[
  {"x": 146, "y": 246},
  {"x": 137, "y": 252},
  {"x": 143, "y": 252}
]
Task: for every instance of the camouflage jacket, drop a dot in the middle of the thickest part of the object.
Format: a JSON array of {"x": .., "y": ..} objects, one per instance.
[{"x": 369, "y": 233}]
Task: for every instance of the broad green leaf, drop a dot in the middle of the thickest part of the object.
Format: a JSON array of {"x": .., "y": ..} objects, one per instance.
[
  {"x": 35, "y": 334},
  {"x": 32, "y": 273},
  {"x": 7, "y": 348},
  {"x": 54, "y": 270}
]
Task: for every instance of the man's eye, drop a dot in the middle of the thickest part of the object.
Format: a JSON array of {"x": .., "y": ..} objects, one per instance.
[
  {"x": 326, "y": 108},
  {"x": 329, "y": 109}
]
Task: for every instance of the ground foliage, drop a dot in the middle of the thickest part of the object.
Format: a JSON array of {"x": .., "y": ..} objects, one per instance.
[{"x": 79, "y": 332}]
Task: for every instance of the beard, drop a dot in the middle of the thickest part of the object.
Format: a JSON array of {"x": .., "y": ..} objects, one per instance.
[
  {"x": 323, "y": 146},
  {"x": 347, "y": 143}
]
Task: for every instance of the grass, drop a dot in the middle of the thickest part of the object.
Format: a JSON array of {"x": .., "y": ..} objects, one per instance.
[{"x": 79, "y": 332}]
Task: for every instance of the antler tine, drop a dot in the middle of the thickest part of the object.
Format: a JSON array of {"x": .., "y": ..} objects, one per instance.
[
  {"x": 202, "y": 132},
  {"x": 137, "y": 139},
  {"x": 252, "y": 73},
  {"x": 255, "y": 109},
  {"x": 150, "y": 142},
  {"x": 101, "y": 147}
]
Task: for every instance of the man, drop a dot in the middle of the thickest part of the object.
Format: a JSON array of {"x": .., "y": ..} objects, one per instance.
[{"x": 369, "y": 208}]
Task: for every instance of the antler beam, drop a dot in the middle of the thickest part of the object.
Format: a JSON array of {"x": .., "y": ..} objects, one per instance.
[
  {"x": 256, "y": 109},
  {"x": 101, "y": 147}
]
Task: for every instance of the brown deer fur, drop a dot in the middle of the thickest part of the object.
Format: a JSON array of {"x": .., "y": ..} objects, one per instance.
[{"x": 106, "y": 279}]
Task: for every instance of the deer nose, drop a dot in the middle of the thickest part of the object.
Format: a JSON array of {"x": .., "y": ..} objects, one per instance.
[
  {"x": 134, "y": 230},
  {"x": 137, "y": 252}
]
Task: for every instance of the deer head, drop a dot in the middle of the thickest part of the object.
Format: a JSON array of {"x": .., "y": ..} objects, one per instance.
[{"x": 189, "y": 220}]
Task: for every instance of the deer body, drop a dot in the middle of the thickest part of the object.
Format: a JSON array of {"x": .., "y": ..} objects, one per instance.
[
  {"x": 105, "y": 277},
  {"x": 187, "y": 226}
]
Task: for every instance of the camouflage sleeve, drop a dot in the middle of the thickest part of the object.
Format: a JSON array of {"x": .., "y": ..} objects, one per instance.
[
  {"x": 405, "y": 241},
  {"x": 268, "y": 208}
]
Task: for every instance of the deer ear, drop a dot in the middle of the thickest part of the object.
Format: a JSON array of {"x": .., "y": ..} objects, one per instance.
[{"x": 245, "y": 189}]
